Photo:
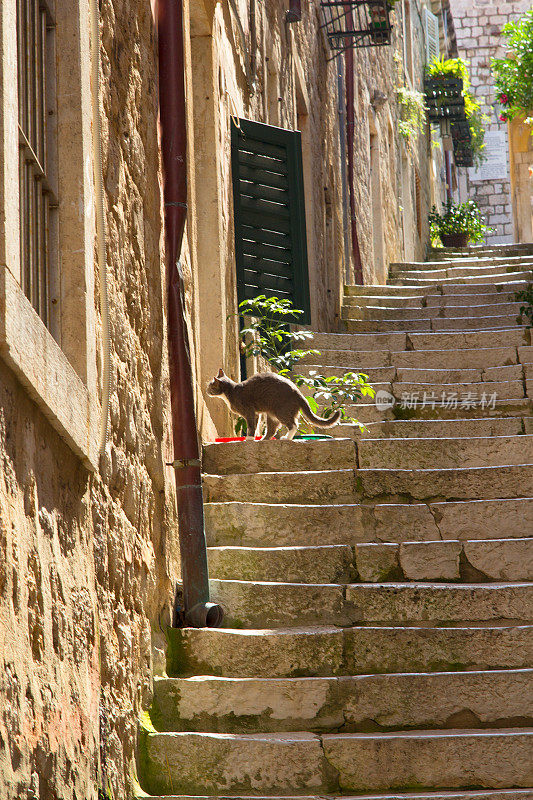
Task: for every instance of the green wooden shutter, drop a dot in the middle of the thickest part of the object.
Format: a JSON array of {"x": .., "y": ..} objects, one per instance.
[{"x": 268, "y": 201}]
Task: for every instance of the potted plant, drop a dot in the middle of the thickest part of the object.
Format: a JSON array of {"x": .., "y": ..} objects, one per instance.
[
  {"x": 458, "y": 224},
  {"x": 514, "y": 73}
]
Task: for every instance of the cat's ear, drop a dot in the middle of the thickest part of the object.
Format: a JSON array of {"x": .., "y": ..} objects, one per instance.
[{"x": 221, "y": 373}]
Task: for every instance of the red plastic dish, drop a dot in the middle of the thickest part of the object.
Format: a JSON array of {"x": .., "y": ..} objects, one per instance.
[{"x": 234, "y": 439}]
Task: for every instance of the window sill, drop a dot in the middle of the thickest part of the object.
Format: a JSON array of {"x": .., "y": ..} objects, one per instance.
[{"x": 32, "y": 353}]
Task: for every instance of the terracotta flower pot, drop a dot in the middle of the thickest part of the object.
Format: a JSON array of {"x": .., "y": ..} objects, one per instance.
[{"x": 455, "y": 239}]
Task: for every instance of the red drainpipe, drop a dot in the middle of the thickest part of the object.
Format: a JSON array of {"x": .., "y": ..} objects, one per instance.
[
  {"x": 198, "y": 611},
  {"x": 350, "y": 127}
]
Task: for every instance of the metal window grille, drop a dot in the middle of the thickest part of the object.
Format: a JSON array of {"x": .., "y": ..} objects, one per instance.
[
  {"x": 36, "y": 94},
  {"x": 356, "y": 23}
]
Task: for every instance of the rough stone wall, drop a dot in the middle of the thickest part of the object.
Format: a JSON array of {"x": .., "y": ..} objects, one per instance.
[
  {"x": 478, "y": 25},
  {"x": 88, "y": 562}
]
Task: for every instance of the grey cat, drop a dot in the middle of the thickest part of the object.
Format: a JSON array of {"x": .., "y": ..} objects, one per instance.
[{"x": 267, "y": 394}]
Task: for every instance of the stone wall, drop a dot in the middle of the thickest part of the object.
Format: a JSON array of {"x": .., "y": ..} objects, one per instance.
[
  {"x": 478, "y": 25},
  {"x": 88, "y": 561}
]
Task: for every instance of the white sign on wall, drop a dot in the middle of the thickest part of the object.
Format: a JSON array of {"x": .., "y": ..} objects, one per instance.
[{"x": 495, "y": 167}]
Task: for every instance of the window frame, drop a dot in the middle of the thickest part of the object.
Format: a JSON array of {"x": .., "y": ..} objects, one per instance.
[{"x": 59, "y": 372}]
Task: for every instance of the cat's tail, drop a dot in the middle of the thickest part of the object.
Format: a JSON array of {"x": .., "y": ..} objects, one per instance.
[{"x": 320, "y": 422}]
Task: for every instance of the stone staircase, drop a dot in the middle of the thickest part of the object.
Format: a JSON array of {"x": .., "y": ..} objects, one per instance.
[{"x": 378, "y": 586}]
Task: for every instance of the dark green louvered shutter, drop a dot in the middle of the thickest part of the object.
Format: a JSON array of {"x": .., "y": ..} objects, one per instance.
[{"x": 268, "y": 199}]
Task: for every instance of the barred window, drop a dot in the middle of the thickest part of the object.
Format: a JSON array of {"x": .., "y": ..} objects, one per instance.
[{"x": 37, "y": 123}]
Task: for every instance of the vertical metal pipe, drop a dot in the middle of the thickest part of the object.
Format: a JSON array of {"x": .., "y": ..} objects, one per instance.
[
  {"x": 350, "y": 127},
  {"x": 294, "y": 14},
  {"x": 344, "y": 183},
  {"x": 199, "y": 612}
]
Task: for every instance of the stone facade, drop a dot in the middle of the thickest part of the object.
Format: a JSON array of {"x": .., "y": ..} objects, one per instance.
[
  {"x": 89, "y": 545},
  {"x": 478, "y": 25}
]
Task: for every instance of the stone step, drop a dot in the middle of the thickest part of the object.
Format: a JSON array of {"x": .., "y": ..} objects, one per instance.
[
  {"x": 429, "y": 428},
  {"x": 510, "y": 285},
  {"x": 338, "y": 362},
  {"x": 444, "y": 311},
  {"x": 471, "y": 483},
  {"x": 464, "y": 395},
  {"x": 480, "y": 250},
  {"x": 483, "y": 559},
  {"x": 463, "y": 270},
  {"x": 432, "y": 759},
  {"x": 384, "y": 289},
  {"x": 314, "y": 564},
  {"x": 204, "y": 763},
  {"x": 514, "y": 337},
  {"x": 256, "y": 604},
  {"x": 437, "y": 324},
  {"x": 349, "y": 342},
  {"x": 379, "y": 301},
  {"x": 317, "y": 486},
  {"x": 446, "y": 453},
  {"x": 247, "y": 524},
  {"x": 323, "y": 651},
  {"x": 511, "y": 372},
  {"x": 503, "y": 277},
  {"x": 466, "y": 300},
  {"x": 498, "y": 698},
  {"x": 503, "y": 794},
  {"x": 486, "y": 560},
  {"x": 406, "y": 409},
  {"x": 224, "y": 458},
  {"x": 481, "y": 262}
]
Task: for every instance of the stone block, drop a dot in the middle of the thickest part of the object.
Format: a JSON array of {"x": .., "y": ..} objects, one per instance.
[{"x": 436, "y": 561}]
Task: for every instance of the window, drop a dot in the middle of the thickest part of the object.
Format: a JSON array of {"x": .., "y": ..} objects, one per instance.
[
  {"x": 431, "y": 27},
  {"x": 268, "y": 200},
  {"x": 38, "y": 203}
]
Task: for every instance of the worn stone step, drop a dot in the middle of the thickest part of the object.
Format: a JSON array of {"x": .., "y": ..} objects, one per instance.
[
  {"x": 477, "y": 280},
  {"x": 248, "y": 524},
  {"x": 471, "y": 483},
  {"x": 508, "y": 284},
  {"x": 445, "y": 452},
  {"x": 382, "y": 312},
  {"x": 380, "y": 300},
  {"x": 440, "y": 356},
  {"x": 467, "y": 395},
  {"x": 358, "y": 703},
  {"x": 384, "y": 289},
  {"x": 297, "y": 564},
  {"x": 481, "y": 262},
  {"x": 318, "y": 486},
  {"x": 464, "y": 270},
  {"x": 426, "y": 428},
  {"x": 510, "y": 372},
  {"x": 503, "y": 794},
  {"x": 323, "y": 651},
  {"x": 404, "y": 409},
  {"x": 470, "y": 339},
  {"x": 485, "y": 300},
  {"x": 432, "y": 759},
  {"x": 357, "y": 342},
  {"x": 383, "y": 325},
  {"x": 255, "y": 604},
  {"x": 482, "y": 559},
  {"x": 467, "y": 323},
  {"x": 480, "y": 251},
  {"x": 225, "y": 458}
]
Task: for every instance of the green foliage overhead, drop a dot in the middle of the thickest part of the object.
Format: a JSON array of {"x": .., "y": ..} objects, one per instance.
[
  {"x": 458, "y": 218},
  {"x": 514, "y": 73}
]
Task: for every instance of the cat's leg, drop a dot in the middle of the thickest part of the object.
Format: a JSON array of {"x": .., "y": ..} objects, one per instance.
[
  {"x": 250, "y": 425},
  {"x": 272, "y": 427},
  {"x": 260, "y": 424},
  {"x": 292, "y": 425}
]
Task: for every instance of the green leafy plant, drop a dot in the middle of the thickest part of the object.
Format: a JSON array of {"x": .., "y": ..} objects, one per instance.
[
  {"x": 412, "y": 113},
  {"x": 266, "y": 334},
  {"x": 526, "y": 309},
  {"x": 514, "y": 73},
  {"x": 458, "y": 218},
  {"x": 458, "y": 68}
]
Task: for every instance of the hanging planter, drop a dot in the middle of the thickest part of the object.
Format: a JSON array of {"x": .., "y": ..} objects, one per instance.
[
  {"x": 356, "y": 23},
  {"x": 444, "y": 98}
]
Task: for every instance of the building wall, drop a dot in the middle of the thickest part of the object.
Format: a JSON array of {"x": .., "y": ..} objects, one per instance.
[
  {"x": 478, "y": 25},
  {"x": 89, "y": 547}
]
